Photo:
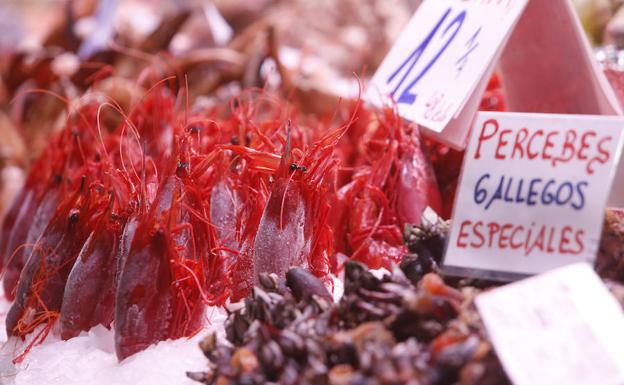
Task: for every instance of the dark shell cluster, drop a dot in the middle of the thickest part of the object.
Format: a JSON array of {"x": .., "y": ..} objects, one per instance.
[
  {"x": 382, "y": 331},
  {"x": 407, "y": 327}
]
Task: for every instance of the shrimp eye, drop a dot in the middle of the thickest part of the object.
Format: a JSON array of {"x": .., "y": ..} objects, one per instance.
[
  {"x": 194, "y": 129},
  {"x": 293, "y": 167},
  {"x": 235, "y": 141},
  {"x": 183, "y": 169},
  {"x": 303, "y": 168},
  {"x": 73, "y": 216}
]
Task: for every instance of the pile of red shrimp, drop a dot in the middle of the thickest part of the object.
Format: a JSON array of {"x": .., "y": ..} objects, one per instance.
[{"x": 139, "y": 227}]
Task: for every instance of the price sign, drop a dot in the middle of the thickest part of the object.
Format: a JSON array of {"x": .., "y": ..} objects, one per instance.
[
  {"x": 443, "y": 53},
  {"x": 532, "y": 193},
  {"x": 563, "y": 327},
  {"x": 438, "y": 69}
]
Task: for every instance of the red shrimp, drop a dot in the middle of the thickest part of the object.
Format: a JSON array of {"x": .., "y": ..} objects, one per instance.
[
  {"x": 237, "y": 201},
  {"x": 417, "y": 187},
  {"x": 161, "y": 285},
  {"x": 214, "y": 241},
  {"x": 18, "y": 206},
  {"x": 284, "y": 235},
  {"x": 411, "y": 184},
  {"x": 42, "y": 281},
  {"x": 198, "y": 274},
  {"x": 373, "y": 235},
  {"x": 37, "y": 222},
  {"x": 243, "y": 268},
  {"x": 13, "y": 230},
  {"x": 144, "y": 298},
  {"x": 392, "y": 184},
  {"x": 89, "y": 296},
  {"x": 242, "y": 189},
  {"x": 68, "y": 151},
  {"x": 224, "y": 206},
  {"x": 40, "y": 198},
  {"x": 293, "y": 230},
  {"x": 368, "y": 232},
  {"x": 125, "y": 242}
]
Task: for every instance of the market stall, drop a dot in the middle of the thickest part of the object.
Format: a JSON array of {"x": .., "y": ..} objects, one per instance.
[{"x": 334, "y": 192}]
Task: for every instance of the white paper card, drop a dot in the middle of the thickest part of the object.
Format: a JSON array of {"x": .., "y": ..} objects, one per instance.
[
  {"x": 548, "y": 66},
  {"x": 563, "y": 327},
  {"x": 532, "y": 192},
  {"x": 442, "y": 55}
]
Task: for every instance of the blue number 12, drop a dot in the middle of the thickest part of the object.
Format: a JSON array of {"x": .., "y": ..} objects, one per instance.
[{"x": 407, "y": 97}]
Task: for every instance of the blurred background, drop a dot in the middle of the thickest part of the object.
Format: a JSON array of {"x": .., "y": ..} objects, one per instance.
[{"x": 51, "y": 51}]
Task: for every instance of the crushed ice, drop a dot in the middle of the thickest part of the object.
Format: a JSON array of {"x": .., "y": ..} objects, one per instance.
[{"x": 89, "y": 359}]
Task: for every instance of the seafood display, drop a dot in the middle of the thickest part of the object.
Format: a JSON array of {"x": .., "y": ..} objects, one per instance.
[
  {"x": 222, "y": 155},
  {"x": 146, "y": 223},
  {"x": 150, "y": 201},
  {"x": 408, "y": 326},
  {"x": 383, "y": 331}
]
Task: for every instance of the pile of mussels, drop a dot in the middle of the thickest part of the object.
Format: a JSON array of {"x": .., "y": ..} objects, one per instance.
[{"x": 407, "y": 327}]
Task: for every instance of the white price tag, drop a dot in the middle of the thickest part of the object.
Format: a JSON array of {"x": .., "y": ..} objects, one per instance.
[
  {"x": 532, "y": 193},
  {"x": 563, "y": 327},
  {"x": 439, "y": 67},
  {"x": 441, "y": 55}
]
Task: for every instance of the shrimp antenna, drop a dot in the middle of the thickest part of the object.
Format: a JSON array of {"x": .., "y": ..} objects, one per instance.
[
  {"x": 186, "y": 99},
  {"x": 143, "y": 193},
  {"x": 288, "y": 137},
  {"x": 283, "y": 167}
]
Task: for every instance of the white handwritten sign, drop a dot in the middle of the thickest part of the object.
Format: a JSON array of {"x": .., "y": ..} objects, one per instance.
[
  {"x": 532, "y": 192},
  {"x": 563, "y": 327},
  {"x": 441, "y": 56},
  {"x": 438, "y": 69}
]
